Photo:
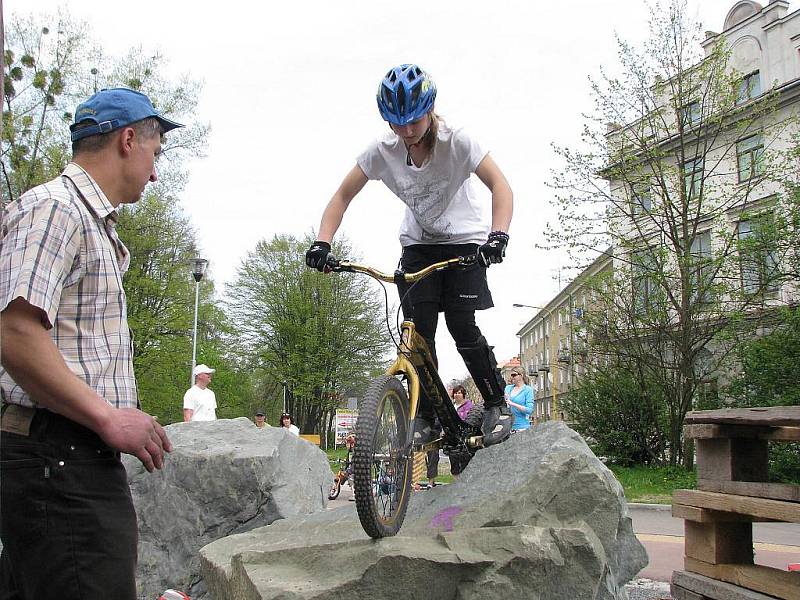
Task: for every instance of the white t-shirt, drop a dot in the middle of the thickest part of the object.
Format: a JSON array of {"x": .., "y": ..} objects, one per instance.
[
  {"x": 442, "y": 207},
  {"x": 202, "y": 401}
]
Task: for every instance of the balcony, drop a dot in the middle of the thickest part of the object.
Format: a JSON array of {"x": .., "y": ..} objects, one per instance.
[
  {"x": 544, "y": 367},
  {"x": 564, "y": 356},
  {"x": 532, "y": 372}
]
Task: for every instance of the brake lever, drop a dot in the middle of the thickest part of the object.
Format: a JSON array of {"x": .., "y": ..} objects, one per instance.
[{"x": 334, "y": 265}]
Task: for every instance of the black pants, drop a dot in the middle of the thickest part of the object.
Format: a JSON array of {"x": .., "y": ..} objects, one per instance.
[
  {"x": 432, "y": 464},
  {"x": 456, "y": 292},
  {"x": 67, "y": 521}
]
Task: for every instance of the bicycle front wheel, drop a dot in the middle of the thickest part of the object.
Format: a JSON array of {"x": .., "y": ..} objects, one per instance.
[{"x": 382, "y": 458}]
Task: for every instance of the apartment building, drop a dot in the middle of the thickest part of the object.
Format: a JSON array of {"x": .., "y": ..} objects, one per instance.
[
  {"x": 681, "y": 151},
  {"x": 553, "y": 346}
]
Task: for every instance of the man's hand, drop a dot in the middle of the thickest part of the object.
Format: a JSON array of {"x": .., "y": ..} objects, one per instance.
[
  {"x": 494, "y": 249},
  {"x": 319, "y": 256},
  {"x": 135, "y": 432}
]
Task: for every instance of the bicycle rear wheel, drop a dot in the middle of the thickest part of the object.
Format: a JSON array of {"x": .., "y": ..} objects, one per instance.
[{"x": 382, "y": 458}]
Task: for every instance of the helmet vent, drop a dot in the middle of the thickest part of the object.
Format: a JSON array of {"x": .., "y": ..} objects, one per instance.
[
  {"x": 401, "y": 99},
  {"x": 387, "y": 97},
  {"x": 415, "y": 94}
]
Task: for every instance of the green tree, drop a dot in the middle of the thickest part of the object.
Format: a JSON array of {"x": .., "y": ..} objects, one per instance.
[
  {"x": 321, "y": 334},
  {"x": 43, "y": 69},
  {"x": 160, "y": 292},
  {"x": 52, "y": 64},
  {"x": 676, "y": 183},
  {"x": 770, "y": 376},
  {"x": 624, "y": 418}
]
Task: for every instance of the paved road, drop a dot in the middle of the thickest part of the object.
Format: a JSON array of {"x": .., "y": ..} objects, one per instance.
[{"x": 776, "y": 544}]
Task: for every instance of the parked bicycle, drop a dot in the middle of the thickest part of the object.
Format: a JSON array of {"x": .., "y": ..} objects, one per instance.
[
  {"x": 382, "y": 457},
  {"x": 345, "y": 472}
]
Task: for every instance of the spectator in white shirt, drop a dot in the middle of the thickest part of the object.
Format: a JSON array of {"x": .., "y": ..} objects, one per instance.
[{"x": 199, "y": 402}]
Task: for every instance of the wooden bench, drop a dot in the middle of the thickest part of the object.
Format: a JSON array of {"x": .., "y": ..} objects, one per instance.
[{"x": 733, "y": 492}]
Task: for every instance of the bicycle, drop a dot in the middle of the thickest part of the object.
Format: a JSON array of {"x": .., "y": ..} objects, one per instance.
[
  {"x": 382, "y": 457},
  {"x": 344, "y": 474}
]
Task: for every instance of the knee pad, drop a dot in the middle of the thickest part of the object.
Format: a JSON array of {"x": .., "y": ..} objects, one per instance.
[{"x": 482, "y": 365}]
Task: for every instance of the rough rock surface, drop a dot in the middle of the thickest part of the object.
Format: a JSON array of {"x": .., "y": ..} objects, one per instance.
[
  {"x": 536, "y": 517},
  {"x": 223, "y": 477}
]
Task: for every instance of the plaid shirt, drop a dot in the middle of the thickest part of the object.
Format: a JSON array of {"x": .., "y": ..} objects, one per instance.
[{"x": 59, "y": 250}]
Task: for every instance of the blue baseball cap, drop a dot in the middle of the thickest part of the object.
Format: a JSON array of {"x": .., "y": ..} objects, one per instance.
[{"x": 115, "y": 108}]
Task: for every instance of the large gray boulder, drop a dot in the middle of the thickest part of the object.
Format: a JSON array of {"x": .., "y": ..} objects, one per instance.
[
  {"x": 536, "y": 517},
  {"x": 222, "y": 477}
]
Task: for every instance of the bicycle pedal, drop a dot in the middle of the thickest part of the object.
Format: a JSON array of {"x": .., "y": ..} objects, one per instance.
[{"x": 475, "y": 441}]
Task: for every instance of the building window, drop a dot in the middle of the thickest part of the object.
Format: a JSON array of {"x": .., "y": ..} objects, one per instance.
[
  {"x": 749, "y": 87},
  {"x": 750, "y": 157},
  {"x": 644, "y": 285},
  {"x": 702, "y": 269},
  {"x": 691, "y": 113},
  {"x": 641, "y": 198},
  {"x": 692, "y": 177},
  {"x": 759, "y": 261}
]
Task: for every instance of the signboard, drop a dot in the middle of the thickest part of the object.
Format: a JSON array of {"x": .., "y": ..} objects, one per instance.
[{"x": 345, "y": 424}]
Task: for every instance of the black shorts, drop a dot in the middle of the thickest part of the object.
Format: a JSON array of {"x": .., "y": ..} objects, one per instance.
[{"x": 461, "y": 288}]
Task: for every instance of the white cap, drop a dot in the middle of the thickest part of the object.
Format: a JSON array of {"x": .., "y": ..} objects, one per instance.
[{"x": 202, "y": 369}]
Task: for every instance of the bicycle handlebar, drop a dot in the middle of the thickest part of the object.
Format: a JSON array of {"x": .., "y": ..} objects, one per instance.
[{"x": 344, "y": 266}]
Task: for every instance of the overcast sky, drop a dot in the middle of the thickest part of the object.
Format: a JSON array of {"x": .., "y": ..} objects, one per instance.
[{"x": 289, "y": 90}]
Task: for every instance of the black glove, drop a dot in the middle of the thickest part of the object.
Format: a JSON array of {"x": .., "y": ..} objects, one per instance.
[
  {"x": 494, "y": 249},
  {"x": 319, "y": 256}
]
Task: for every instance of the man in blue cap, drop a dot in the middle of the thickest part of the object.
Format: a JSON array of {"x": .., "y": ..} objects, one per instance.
[{"x": 69, "y": 401}]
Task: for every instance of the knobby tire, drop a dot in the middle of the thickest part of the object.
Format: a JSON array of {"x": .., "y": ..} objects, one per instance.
[{"x": 382, "y": 458}]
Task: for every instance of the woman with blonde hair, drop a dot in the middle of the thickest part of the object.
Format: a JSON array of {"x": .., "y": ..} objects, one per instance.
[{"x": 519, "y": 397}]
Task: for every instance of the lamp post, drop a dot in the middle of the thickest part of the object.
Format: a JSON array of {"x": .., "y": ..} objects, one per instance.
[
  {"x": 199, "y": 266},
  {"x": 518, "y": 305}
]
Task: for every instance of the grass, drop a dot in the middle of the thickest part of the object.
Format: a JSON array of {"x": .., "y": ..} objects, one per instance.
[{"x": 653, "y": 485}]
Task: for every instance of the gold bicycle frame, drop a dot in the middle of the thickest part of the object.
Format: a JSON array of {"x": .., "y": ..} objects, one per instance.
[{"x": 411, "y": 343}]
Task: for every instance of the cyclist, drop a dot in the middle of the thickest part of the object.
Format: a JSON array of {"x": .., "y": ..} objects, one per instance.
[{"x": 427, "y": 164}]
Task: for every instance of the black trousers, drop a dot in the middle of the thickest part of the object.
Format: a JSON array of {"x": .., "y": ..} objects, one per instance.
[
  {"x": 432, "y": 464},
  {"x": 67, "y": 521}
]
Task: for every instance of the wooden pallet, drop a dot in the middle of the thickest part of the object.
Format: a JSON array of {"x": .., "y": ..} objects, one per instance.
[
  {"x": 732, "y": 449},
  {"x": 733, "y": 493},
  {"x": 691, "y": 586}
]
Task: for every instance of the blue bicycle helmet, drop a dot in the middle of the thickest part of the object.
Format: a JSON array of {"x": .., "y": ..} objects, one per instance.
[{"x": 406, "y": 94}]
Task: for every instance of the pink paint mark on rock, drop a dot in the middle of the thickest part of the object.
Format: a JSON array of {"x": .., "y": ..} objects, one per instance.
[{"x": 444, "y": 518}]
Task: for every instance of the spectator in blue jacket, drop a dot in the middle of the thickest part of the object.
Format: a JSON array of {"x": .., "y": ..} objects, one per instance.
[{"x": 519, "y": 398}]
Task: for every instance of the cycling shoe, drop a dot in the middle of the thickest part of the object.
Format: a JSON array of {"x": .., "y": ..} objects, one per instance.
[{"x": 497, "y": 422}]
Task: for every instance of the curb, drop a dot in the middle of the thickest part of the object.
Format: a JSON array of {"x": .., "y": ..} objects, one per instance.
[{"x": 642, "y": 505}]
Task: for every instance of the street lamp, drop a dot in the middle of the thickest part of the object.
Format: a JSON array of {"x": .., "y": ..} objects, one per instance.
[
  {"x": 199, "y": 266},
  {"x": 518, "y": 305}
]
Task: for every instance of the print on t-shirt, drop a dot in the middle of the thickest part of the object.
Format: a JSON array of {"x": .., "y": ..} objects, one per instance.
[{"x": 428, "y": 201}]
